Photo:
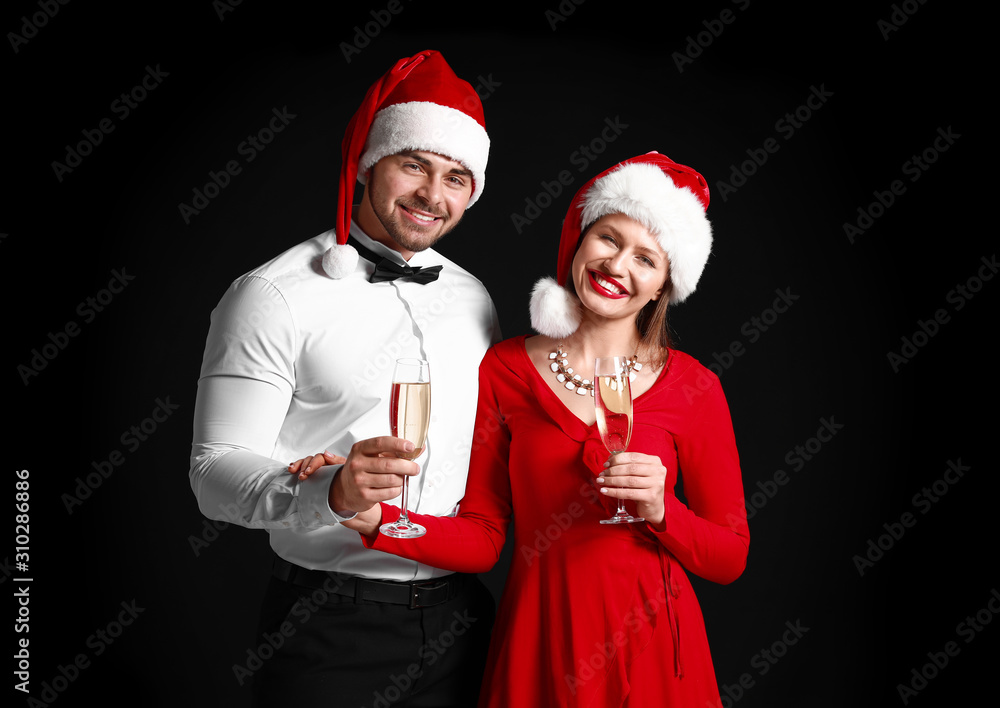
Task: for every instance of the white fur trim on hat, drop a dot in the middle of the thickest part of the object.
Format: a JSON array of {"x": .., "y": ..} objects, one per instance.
[
  {"x": 555, "y": 312},
  {"x": 674, "y": 215},
  {"x": 422, "y": 125},
  {"x": 340, "y": 260}
]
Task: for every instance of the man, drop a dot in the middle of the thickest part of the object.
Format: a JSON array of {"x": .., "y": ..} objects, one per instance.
[{"x": 299, "y": 358}]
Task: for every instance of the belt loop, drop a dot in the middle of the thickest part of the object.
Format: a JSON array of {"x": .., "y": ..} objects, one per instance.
[
  {"x": 282, "y": 569},
  {"x": 438, "y": 591}
]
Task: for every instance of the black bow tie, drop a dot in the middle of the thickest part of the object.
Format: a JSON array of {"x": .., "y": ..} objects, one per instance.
[{"x": 387, "y": 270}]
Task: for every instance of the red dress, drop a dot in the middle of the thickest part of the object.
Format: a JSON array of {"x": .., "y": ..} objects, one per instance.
[{"x": 591, "y": 614}]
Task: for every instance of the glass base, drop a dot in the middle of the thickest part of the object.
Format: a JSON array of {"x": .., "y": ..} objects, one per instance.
[
  {"x": 622, "y": 518},
  {"x": 402, "y": 529}
]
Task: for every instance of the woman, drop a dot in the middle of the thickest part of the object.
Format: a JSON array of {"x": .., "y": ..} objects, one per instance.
[{"x": 595, "y": 614}]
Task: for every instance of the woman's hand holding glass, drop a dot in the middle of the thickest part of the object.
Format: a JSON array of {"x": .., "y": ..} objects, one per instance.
[{"x": 637, "y": 477}]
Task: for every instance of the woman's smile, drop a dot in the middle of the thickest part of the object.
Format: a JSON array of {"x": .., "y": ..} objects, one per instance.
[{"x": 606, "y": 285}]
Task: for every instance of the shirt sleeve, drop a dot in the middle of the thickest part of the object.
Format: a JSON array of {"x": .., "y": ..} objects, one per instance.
[
  {"x": 247, "y": 381},
  {"x": 470, "y": 542},
  {"x": 496, "y": 335},
  {"x": 710, "y": 537}
]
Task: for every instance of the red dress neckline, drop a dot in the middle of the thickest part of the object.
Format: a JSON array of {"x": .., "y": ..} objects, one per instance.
[{"x": 555, "y": 406}]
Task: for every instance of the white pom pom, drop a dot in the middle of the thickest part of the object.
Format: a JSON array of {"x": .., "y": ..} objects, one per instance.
[
  {"x": 340, "y": 260},
  {"x": 555, "y": 312}
]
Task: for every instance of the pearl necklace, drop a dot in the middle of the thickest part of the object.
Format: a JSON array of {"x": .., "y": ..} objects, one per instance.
[{"x": 575, "y": 382}]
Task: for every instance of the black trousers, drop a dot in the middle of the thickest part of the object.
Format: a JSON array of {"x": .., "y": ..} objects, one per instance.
[{"x": 318, "y": 648}]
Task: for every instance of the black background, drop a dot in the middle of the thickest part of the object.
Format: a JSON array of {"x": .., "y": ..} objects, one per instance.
[{"x": 553, "y": 81}]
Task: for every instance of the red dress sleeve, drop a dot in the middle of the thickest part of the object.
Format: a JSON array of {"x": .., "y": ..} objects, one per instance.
[
  {"x": 470, "y": 542},
  {"x": 710, "y": 537}
]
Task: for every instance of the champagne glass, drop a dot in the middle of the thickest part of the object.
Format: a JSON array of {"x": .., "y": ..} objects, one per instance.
[
  {"x": 409, "y": 418},
  {"x": 613, "y": 399}
]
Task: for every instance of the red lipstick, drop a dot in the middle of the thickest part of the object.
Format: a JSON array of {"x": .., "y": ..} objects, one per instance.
[{"x": 601, "y": 290}]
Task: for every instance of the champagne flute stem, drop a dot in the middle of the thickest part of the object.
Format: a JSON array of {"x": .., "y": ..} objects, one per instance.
[
  {"x": 621, "y": 502},
  {"x": 406, "y": 501}
]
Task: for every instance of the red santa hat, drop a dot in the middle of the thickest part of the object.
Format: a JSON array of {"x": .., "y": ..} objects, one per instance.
[
  {"x": 419, "y": 104},
  {"x": 667, "y": 198}
]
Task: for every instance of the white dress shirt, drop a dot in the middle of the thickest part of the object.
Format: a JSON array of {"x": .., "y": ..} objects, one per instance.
[{"x": 297, "y": 363}]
